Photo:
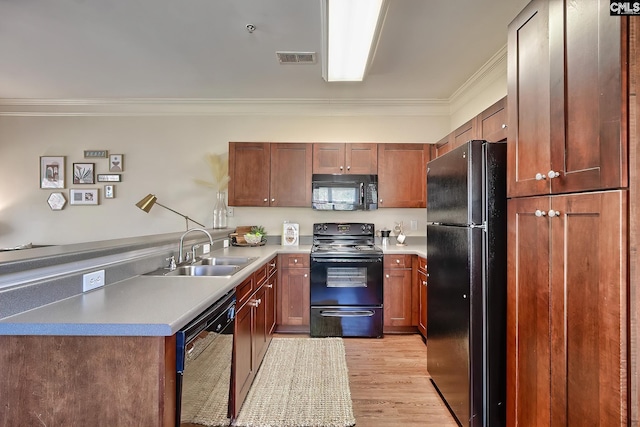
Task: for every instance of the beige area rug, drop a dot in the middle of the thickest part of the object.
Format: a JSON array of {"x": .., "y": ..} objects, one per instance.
[
  {"x": 204, "y": 369},
  {"x": 303, "y": 382}
]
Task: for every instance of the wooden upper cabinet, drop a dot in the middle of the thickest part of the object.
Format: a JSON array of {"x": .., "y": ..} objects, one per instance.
[
  {"x": 402, "y": 175},
  {"x": 291, "y": 175},
  {"x": 566, "y": 85},
  {"x": 270, "y": 174},
  {"x": 464, "y": 133},
  {"x": 355, "y": 158},
  {"x": 442, "y": 146},
  {"x": 492, "y": 122},
  {"x": 249, "y": 173}
]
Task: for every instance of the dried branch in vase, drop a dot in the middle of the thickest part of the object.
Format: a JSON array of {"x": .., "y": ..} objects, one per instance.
[{"x": 219, "y": 166}]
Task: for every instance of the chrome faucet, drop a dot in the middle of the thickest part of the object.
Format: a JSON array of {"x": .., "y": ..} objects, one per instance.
[{"x": 180, "y": 257}]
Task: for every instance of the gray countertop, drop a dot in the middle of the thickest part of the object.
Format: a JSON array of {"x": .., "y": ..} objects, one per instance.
[{"x": 147, "y": 305}]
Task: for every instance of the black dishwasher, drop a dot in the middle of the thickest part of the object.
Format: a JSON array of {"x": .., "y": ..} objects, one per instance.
[{"x": 203, "y": 365}]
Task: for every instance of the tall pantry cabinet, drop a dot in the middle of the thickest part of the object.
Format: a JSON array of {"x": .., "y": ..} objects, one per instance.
[{"x": 568, "y": 258}]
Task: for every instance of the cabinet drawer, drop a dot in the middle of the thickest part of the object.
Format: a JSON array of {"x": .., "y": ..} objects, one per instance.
[
  {"x": 295, "y": 261},
  {"x": 244, "y": 290},
  {"x": 260, "y": 275},
  {"x": 422, "y": 264},
  {"x": 272, "y": 266},
  {"x": 397, "y": 261}
]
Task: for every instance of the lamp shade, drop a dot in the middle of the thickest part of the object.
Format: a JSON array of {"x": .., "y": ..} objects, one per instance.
[{"x": 147, "y": 202}]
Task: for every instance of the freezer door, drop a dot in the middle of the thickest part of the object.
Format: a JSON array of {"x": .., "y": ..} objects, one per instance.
[
  {"x": 454, "y": 318},
  {"x": 454, "y": 186}
]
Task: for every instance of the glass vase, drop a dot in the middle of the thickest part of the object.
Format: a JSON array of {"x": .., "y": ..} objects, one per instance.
[{"x": 220, "y": 210}]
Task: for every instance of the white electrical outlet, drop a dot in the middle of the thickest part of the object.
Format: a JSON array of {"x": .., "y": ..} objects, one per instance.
[
  {"x": 229, "y": 211},
  {"x": 414, "y": 224},
  {"x": 92, "y": 280},
  {"x": 225, "y": 243},
  {"x": 206, "y": 248}
]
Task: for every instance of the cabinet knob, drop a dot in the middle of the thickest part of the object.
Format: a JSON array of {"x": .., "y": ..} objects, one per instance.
[
  {"x": 553, "y": 213},
  {"x": 272, "y": 265},
  {"x": 348, "y": 168},
  {"x": 273, "y": 200},
  {"x": 341, "y": 168},
  {"x": 540, "y": 213},
  {"x": 295, "y": 260},
  {"x": 397, "y": 261},
  {"x": 270, "y": 285},
  {"x": 553, "y": 174},
  {"x": 387, "y": 276},
  {"x": 424, "y": 282},
  {"x": 380, "y": 201},
  {"x": 306, "y": 275},
  {"x": 504, "y": 126},
  {"x": 540, "y": 176},
  {"x": 265, "y": 200}
]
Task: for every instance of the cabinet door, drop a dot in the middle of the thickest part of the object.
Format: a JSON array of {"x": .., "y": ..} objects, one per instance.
[
  {"x": 587, "y": 114},
  {"x": 242, "y": 356},
  {"x": 402, "y": 175},
  {"x": 528, "y": 101},
  {"x": 464, "y": 133},
  {"x": 443, "y": 146},
  {"x": 260, "y": 333},
  {"x": 291, "y": 175},
  {"x": 328, "y": 158},
  {"x": 588, "y": 309},
  {"x": 492, "y": 122},
  {"x": 249, "y": 173},
  {"x": 270, "y": 302},
  {"x": 528, "y": 323},
  {"x": 361, "y": 159},
  {"x": 397, "y": 297},
  {"x": 422, "y": 283},
  {"x": 294, "y": 297}
]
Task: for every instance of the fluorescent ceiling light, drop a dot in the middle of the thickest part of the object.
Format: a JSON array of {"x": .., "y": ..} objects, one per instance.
[{"x": 351, "y": 28}]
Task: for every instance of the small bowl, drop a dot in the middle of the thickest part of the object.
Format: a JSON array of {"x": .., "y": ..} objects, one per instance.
[{"x": 252, "y": 239}]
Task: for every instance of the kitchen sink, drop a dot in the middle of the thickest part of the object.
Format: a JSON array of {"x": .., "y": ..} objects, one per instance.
[
  {"x": 205, "y": 270},
  {"x": 226, "y": 260}
]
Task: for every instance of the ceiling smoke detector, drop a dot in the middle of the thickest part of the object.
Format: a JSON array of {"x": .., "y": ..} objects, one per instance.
[
  {"x": 250, "y": 28},
  {"x": 296, "y": 57}
]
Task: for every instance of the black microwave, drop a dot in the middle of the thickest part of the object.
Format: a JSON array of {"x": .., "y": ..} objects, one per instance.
[{"x": 344, "y": 192}]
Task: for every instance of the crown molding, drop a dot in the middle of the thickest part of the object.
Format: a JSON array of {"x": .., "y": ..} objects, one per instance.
[{"x": 223, "y": 107}]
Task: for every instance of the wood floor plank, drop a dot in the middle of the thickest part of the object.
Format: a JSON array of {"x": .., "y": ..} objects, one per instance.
[{"x": 390, "y": 385}]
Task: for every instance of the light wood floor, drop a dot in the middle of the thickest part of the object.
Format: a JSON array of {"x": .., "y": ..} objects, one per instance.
[{"x": 390, "y": 384}]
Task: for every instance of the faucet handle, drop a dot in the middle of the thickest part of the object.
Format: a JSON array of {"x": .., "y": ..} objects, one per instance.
[
  {"x": 193, "y": 252},
  {"x": 172, "y": 262}
]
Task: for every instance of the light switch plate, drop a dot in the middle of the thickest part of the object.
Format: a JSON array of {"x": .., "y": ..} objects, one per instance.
[
  {"x": 92, "y": 280},
  {"x": 414, "y": 224}
]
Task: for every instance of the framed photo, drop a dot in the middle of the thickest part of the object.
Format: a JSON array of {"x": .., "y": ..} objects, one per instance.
[
  {"x": 56, "y": 201},
  {"x": 52, "y": 172},
  {"x": 83, "y": 197},
  {"x": 83, "y": 173},
  {"x": 109, "y": 177},
  {"x": 109, "y": 191},
  {"x": 115, "y": 163}
]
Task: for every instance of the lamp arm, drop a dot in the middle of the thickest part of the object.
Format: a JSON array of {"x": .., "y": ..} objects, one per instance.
[{"x": 182, "y": 215}]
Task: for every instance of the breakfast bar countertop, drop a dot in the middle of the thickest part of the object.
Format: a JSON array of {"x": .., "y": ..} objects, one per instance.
[{"x": 148, "y": 305}]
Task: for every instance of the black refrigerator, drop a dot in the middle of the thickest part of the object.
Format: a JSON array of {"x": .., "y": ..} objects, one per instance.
[{"x": 467, "y": 285}]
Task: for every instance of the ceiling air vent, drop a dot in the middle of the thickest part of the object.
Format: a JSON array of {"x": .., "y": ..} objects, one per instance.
[{"x": 296, "y": 57}]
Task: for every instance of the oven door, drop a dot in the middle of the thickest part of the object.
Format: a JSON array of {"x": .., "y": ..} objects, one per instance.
[{"x": 339, "y": 281}]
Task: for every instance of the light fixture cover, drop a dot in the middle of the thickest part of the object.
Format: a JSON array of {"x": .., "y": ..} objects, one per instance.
[
  {"x": 350, "y": 34},
  {"x": 147, "y": 202}
]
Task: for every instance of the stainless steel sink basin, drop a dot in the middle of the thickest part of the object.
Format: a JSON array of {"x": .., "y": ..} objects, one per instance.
[
  {"x": 205, "y": 270},
  {"x": 226, "y": 260}
]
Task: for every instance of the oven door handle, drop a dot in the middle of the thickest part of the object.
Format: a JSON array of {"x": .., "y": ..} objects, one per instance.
[
  {"x": 346, "y": 260},
  {"x": 340, "y": 313}
]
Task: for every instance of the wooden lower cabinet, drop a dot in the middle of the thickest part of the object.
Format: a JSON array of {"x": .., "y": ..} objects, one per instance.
[
  {"x": 293, "y": 293},
  {"x": 397, "y": 297},
  {"x": 87, "y": 381},
  {"x": 567, "y": 311},
  {"x": 254, "y": 326}
]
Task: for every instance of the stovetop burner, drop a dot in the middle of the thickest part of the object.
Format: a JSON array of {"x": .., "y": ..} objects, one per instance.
[{"x": 349, "y": 239}]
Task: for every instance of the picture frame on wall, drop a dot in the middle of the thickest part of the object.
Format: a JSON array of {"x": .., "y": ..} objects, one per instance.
[
  {"x": 83, "y": 197},
  {"x": 52, "y": 171},
  {"x": 109, "y": 191},
  {"x": 83, "y": 173},
  {"x": 115, "y": 163}
]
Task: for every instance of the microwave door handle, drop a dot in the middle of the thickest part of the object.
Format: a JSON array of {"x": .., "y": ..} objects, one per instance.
[{"x": 362, "y": 194}]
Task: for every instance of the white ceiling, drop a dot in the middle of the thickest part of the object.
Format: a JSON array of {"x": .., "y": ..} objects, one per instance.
[{"x": 88, "y": 49}]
